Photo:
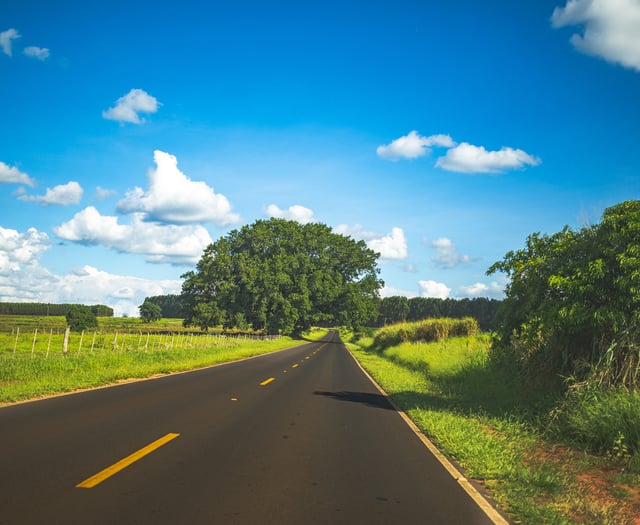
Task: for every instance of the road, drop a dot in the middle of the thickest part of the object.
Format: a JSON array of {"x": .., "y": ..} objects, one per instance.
[{"x": 300, "y": 436}]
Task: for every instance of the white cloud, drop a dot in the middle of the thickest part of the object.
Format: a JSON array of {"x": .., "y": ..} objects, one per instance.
[
  {"x": 103, "y": 193},
  {"x": 21, "y": 249},
  {"x": 62, "y": 195},
  {"x": 479, "y": 289},
  {"x": 174, "y": 198},
  {"x": 434, "y": 289},
  {"x": 610, "y": 28},
  {"x": 11, "y": 174},
  {"x": 393, "y": 246},
  {"x": 41, "y": 53},
  {"x": 6, "y": 40},
  {"x": 176, "y": 244},
  {"x": 389, "y": 291},
  {"x": 447, "y": 255},
  {"x": 128, "y": 107},
  {"x": 88, "y": 285},
  {"x": 293, "y": 213},
  {"x": 467, "y": 158},
  {"x": 412, "y": 146},
  {"x": 356, "y": 232}
]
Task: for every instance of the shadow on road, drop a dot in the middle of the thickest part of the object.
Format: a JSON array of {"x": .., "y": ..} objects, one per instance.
[{"x": 372, "y": 400}]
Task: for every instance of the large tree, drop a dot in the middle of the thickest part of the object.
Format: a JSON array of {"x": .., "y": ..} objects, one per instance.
[{"x": 282, "y": 277}]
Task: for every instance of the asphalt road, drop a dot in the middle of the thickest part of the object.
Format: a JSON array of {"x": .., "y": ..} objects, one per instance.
[{"x": 296, "y": 437}]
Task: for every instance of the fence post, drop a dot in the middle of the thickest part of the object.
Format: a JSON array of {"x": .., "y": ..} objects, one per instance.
[
  {"x": 49, "y": 343},
  {"x": 33, "y": 345},
  {"x": 65, "y": 342},
  {"x": 16, "y": 343},
  {"x": 80, "y": 345},
  {"x": 93, "y": 341}
]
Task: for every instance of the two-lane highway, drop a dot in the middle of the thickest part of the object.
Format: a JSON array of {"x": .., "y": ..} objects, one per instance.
[{"x": 300, "y": 436}]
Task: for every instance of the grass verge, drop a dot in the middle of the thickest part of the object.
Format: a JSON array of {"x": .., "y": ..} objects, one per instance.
[
  {"x": 23, "y": 376},
  {"x": 493, "y": 426}
]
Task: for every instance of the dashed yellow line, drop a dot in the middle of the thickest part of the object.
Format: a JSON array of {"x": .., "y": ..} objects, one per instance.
[
  {"x": 267, "y": 381},
  {"x": 124, "y": 463},
  {"x": 296, "y": 365}
]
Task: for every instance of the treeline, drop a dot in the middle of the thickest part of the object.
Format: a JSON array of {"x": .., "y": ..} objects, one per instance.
[
  {"x": 170, "y": 305},
  {"x": 398, "y": 309},
  {"x": 45, "y": 309}
]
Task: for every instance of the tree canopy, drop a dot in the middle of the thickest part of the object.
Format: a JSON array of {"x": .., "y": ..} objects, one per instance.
[
  {"x": 80, "y": 317},
  {"x": 282, "y": 277},
  {"x": 573, "y": 303},
  {"x": 149, "y": 311}
]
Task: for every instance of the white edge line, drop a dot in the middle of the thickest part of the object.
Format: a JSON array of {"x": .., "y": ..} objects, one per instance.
[{"x": 479, "y": 499}]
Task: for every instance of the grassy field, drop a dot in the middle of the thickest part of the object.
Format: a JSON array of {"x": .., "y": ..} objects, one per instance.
[
  {"x": 497, "y": 429},
  {"x": 32, "y": 362}
]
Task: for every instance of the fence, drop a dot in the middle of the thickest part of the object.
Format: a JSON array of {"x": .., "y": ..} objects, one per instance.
[{"x": 47, "y": 343}]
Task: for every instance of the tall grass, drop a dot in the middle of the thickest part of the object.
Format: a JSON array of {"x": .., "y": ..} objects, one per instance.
[{"x": 426, "y": 330}]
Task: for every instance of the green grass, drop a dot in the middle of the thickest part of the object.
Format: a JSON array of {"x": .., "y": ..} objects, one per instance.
[
  {"x": 482, "y": 417},
  {"x": 111, "y": 357}
]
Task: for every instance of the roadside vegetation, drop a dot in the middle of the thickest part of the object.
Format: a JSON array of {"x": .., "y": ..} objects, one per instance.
[
  {"x": 546, "y": 412},
  {"x": 506, "y": 434},
  {"x": 33, "y": 362}
]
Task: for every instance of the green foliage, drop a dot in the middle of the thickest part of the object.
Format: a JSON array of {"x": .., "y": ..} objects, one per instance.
[
  {"x": 398, "y": 309},
  {"x": 282, "y": 277},
  {"x": 80, "y": 317},
  {"x": 149, "y": 312},
  {"x": 47, "y": 309},
  {"x": 600, "y": 420},
  {"x": 573, "y": 303},
  {"x": 170, "y": 305},
  {"x": 427, "y": 330}
]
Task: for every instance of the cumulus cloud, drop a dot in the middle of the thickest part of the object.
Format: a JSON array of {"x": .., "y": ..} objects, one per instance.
[
  {"x": 62, "y": 195},
  {"x": 89, "y": 285},
  {"x": 40, "y": 53},
  {"x": 12, "y": 175},
  {"x": 434, "y": 289},
  {"x": 128, "y": 107},
  {"x": 467, "y": 158},
  {"x": 479, "y": 289},
  {"x": 447, "y": 255},
  {"x": 174, "y": 198},
  {"x": 293, "y": 213},
  {"x": 412, "y": 146},
  {"x": 23, "y": 279},
  {"x": 160, "y": 243},
  {"x": 610, "y": 28},
  {"x": 20, "y": 250},
  {"x": 393, "y": 246},
  {"x": 356, "y": 232},
  {"x": 6, "y": 41}
]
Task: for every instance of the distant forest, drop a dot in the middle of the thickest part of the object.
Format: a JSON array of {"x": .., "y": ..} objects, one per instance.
[
  {"x": 391, "y": 310},
  {"x": 44, "y": 309},
  {"x": 397, "y": 309}
]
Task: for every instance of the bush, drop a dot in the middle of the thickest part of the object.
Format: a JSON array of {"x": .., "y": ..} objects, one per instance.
[
  {"x": 80, "y": 317},
  {"x": 602, "y": 421},
  {"x": 427, "y": 330}
]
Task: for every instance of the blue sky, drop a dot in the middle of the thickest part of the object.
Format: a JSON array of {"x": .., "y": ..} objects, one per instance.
[{"x": 441, "y": 133}]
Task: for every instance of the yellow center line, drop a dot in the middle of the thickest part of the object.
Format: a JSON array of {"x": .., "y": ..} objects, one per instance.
[
  {"x": 124, "y": 463},
  {"x": 295, "y": 365},
  {"x": 267, "y": 381}
]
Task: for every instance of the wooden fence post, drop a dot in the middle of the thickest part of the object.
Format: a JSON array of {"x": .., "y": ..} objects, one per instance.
[
  {"x": 49, "y": 343},
  {"x": 65, "y": 342},
  {"x": 33, "y": 345}
]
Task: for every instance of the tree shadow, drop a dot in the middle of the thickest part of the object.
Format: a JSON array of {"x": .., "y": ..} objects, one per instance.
[{"x": 365, "y": 398}]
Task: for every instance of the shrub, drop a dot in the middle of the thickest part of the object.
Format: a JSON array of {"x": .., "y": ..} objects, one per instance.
[
  {"x": 427, "y": 330},
  {"x": 80, "y": 317}
]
